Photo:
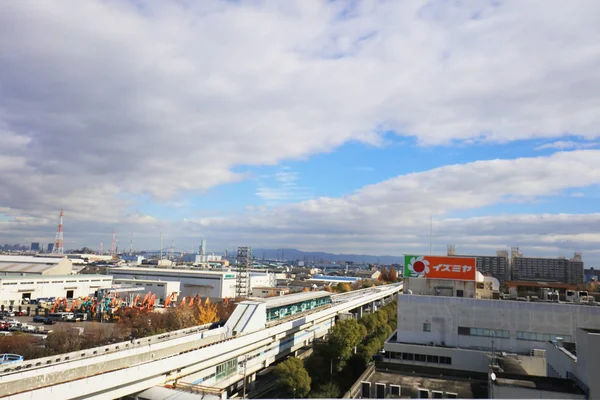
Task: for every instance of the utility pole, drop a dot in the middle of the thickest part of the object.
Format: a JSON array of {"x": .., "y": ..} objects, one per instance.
[{"x": 430, "y": 233}]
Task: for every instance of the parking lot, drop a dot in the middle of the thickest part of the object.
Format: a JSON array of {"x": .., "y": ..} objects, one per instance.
[{"x": 29, "y": 321}]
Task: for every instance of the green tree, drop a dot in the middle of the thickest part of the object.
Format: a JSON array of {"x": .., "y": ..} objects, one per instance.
[
  {"x": 293, "y": 378},
  {"x": 344, "y": 336},
  {"x": 317, "y": 366},
  {"x": 327, "y": 391}
]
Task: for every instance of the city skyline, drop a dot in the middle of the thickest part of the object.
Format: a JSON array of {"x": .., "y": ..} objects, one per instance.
[{"x": 317, "y": 126}]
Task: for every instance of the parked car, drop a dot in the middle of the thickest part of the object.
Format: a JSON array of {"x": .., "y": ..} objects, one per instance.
[
  {"x": 48, "y": 321},
  {"x": 39, "y": 318}
]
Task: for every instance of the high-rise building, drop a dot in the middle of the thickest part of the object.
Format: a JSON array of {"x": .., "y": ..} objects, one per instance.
[
  {"x": 203, "y": 247},
  {"x": 496, "y": 266},
  {"x": 548, "y": 269},
  {"x": 50, "y": 247},
  {"x": 35, "y": 246}
]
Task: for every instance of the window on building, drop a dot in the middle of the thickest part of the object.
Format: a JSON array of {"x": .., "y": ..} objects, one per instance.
[
  {"x": 541, "y": 337},
  {"x": 380, "y": 390},
  {"x": 426, "y": 327},
  {"x": 365, "y": 389},
  {"x": 421, "y": 357},
  {"x": 459, "y": 293},
  {"x": 482, "y": 332},
  {"x": 436, "y": 394},
  {"x": 227, "y": 369},
  {"x": 395, "y": 390},
  {"x": 423, "y": 393},
  {"x": 446, "y": 360},
  {"x": 451, "y": 395}
]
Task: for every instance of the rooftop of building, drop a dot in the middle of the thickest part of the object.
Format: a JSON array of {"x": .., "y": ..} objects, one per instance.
[
  {"x": 412, "y": 378},
  {"x": 34, "y": 277},
  {"x": 508, "y": 303},
  {"x": 141, "y": 280},
  {"x": 31, "y": 259},
  {"x": 466, "y": 384},
  {"x": 280, "y": 301},
  {"x": 334, "y": 278},
  {"x": 172, "y": 271}
]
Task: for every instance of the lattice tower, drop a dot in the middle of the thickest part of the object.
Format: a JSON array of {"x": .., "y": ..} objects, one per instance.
[
  {"x": 59, "y": 242},
  {"x": 244, "y": 258}
]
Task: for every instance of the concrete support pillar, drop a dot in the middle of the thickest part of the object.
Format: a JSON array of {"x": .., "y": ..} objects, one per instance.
[
  {"x": 250, "y": 382},
  {"x": 373, "y": 309},
  {"x": 360, "y": 312}
]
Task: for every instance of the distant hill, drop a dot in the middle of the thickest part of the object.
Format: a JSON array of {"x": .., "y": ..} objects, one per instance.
[{"x": 319, "y": 256}]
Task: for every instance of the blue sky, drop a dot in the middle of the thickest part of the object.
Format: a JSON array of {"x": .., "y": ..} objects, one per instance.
[
  {"x": 354, "y": 165},
  {"x": 310, "y": 125}
]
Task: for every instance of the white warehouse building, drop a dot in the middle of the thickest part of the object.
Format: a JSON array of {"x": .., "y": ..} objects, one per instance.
[
  {"x": 31, "y": 265},
  {"x": 15, "y": 289},
  {"x": 215, "y": 284},
  {"x": 162, "y": 289},
  {"x": 459, "y": 332}
]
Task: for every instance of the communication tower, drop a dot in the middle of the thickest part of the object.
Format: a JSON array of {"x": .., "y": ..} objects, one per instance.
[
  {"x": 244, "y": 258},
  {"x": 59, "y": 242}
]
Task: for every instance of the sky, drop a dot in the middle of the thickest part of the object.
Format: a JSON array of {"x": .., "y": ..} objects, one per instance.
[{"x": 346, "y": 127}]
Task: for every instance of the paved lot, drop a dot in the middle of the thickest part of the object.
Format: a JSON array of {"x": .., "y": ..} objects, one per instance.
[{"x": 83, "y": 324}]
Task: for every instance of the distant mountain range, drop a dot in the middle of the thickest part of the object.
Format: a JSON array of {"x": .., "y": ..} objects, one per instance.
[{"x": 319, "y": 256}]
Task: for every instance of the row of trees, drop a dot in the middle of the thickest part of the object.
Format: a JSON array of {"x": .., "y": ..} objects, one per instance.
[
  {"x": 389, "y": 275},
  {"x": 132, "y": 323},
  {"x": 336, "y": 364}
]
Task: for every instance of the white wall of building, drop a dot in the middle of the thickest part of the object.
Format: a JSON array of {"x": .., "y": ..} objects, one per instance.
[
  {"x": 585, "y": 366},
  {"x": 213, "y": 284},
  {"x": 258, "y": 279},
  {"x": 163, "y": 289},
  {"x": 519, "y": 392},
  {"x": 443, "y": 316},
  {"x": 13, "y": 289}
]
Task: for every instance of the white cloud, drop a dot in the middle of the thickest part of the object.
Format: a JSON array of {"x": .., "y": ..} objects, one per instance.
[
  {"x": 567, "y": 145},
  {"x": 99, "y": 100},
  {"x": 282, "y": 186}
]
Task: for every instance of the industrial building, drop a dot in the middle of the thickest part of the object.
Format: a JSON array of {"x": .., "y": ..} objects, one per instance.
[
  {"x": 162, "y": 289},
  {"x": 266, "y": 291},
  {"x": 445, "y": 340},
  {"x": 203, "y": 259},
  {"x": 496, "y": 266},
  {"x": 17, "y": 290},
  {"x": 211, "y": 283},
  {"x": 459, "y": 328},
  {"x": 31, "y": 265},
  {"x": 547, "y": 269}
]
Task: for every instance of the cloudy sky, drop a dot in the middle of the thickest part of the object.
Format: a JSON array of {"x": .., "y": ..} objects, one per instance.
[{"x": 319, "y": 125}]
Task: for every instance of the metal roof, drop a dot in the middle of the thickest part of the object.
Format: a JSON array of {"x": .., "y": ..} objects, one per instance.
[
  {"x": 53, "y": 277},
  {"x": 25, "y": 268},
  {"x": 30, "y": 259},
  {"x": 280, "y": 301}
]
